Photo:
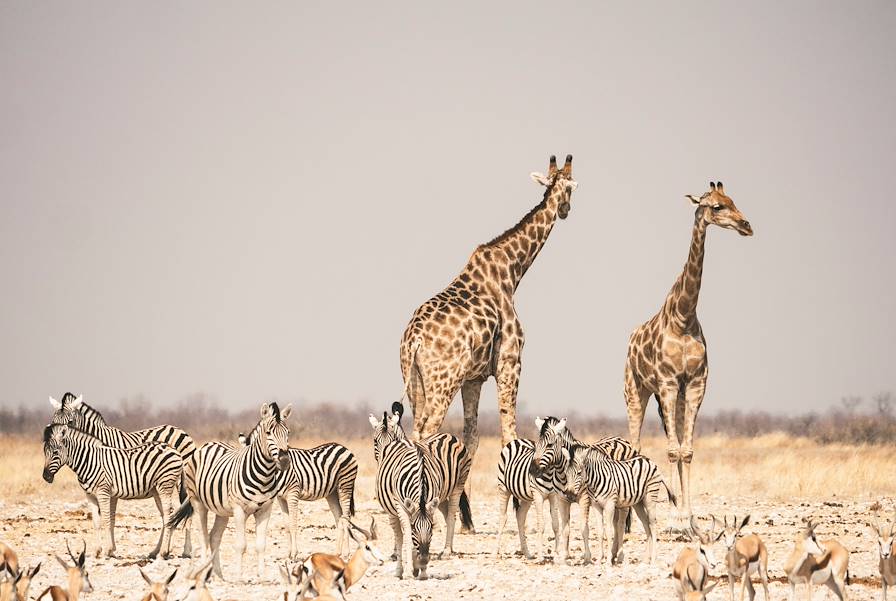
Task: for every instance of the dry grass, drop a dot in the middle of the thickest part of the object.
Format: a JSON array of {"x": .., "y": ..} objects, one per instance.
[{"x": 771, "y": 467}]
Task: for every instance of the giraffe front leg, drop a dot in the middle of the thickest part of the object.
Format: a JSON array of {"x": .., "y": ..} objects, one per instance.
[
  {"x": 693, "y": 398},
  {"x": 470, "y": 392},
  {"x": 508, "y": 377},
  {"x": 635, "y": 404}
]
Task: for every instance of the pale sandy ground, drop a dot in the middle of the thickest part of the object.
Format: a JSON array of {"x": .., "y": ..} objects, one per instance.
[{"x": 37, "y": 518}]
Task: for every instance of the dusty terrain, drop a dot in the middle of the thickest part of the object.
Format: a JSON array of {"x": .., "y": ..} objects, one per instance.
[{"x": 775, "y": 479}]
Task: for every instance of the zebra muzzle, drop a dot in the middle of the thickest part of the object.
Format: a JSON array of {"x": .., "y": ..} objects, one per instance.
[{"x": 48, "y": 476}]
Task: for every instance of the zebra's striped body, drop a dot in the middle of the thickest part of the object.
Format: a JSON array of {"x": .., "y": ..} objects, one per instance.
[
  {"x": 454, "y": 463},
  {"x": 548, "y": 462},
  {"x": 237, "y": 481},
  {"x": 75, "y": 412},
  {"x": 327, "y": 471},
  {"x": 106, "y": 474},
  {"x": 516, "y": 481},
  {"x": 595, "y": 478},
  {"x": 408, "y": 481}
]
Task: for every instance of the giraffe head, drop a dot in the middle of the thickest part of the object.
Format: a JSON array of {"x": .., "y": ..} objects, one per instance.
[
  {"x": 559, "y": 183},
  {"x": 718, "y": 208}
]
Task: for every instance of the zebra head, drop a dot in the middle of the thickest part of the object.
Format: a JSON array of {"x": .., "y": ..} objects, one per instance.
[
  {"x": 55, "y": 450},
  {"x": 272, "y": 427},
  {"x": 552, "y": 437},
  {"x": 68, "y": 410},
  {"x": 420, "y": 515},
  {"x": 572, "y": 462},
  {"x": 387, "y": 429}
]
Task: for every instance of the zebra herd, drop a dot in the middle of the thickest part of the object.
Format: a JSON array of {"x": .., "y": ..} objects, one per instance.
[{"x": 413, "y": 480}]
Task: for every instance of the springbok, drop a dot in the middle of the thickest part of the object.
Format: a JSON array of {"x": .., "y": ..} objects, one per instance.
[
  {"x": 746, "y": 555},
  {"x": 78, "y": 579},
  {"x": 9, "y": 558},
  {"x": 813, "y": 562},
  {"x": 886, "y": 545},
  {"x": 158, "y": 591},
  {"x": 16, "y": 585},
  {"x": 697, "y": 593},
  {"x": 198, "y": 591},
  {"x": 692, "y": 567},
  {"x": 323, "y": 571}
]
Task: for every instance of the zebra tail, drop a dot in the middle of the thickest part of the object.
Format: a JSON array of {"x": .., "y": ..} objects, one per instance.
[
  {"x": 671, "y": 494},
  {"x": 466, "y": 516},
  {"x": 516, "y": 504},
  {"x": 351, "y": 504},
  {"x": 182, "y": 513},
  {"x": 628, "y": 521},
  {"x": 183, "y": 489}
]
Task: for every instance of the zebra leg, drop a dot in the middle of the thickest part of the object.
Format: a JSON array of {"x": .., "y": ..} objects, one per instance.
[
  {"x": 239, "y": 517},
  {"x": 200, "y": 512},
  {"x": 167, "y": 505},
  {"x": 585, "y": 504},
  {"x": 407, "y": 543},
  {"x": 562, "y": 509},
  {"x": 158, "y": 500},
  {"x": 502, "y": 520},
  {"x": 113, "y": 510},
  {"x": 609, "y": 523},
  {"x": 95, "y": 517},
  {"x": 539, "y": 523},
  {"x": 521, "y": 513},
  {"x": 105, "y": 502},
  {"x": 341, "y": 526},
  {"x": 616, "y": 556},
  {"x": 555, "y": 526},
  {"x": 262, "y": 517},
  {"x": 215, "y": 544},
  {"x": 601, "y": 514},
  {"x": 290, "y": 506},
  {"x": 397, "y": 537},
  {"x": 646, "y": 512},
  {"x": 449, "y": 512}
]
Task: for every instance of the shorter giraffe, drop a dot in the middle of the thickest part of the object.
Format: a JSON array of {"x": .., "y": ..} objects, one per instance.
[{"x": 667, "y": 354}]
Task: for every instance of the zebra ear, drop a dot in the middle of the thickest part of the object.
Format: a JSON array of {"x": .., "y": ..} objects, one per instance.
[
  {"x": 55, "y": 404},
  {"x": 566, "y": 456},
  {"x": 265, "y": 410},
  {"x": 431, "y": 506},
  {"x": 560, "y": 426},
  {"x": 77, "y": 402},
  {"x": 409, "y": 505},
  {"x": 285, "y": 413},
  {"x": 539, "y": 423},
  {"x": 373, "y": 421},
  {"x": 394, "y": 419}
]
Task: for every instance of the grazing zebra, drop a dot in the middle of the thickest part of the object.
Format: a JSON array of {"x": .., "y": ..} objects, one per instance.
[
  {"x": 593, "y": 477},
  {"x": 407, "y": 483},
  {"x": 516, "y": 481},
  {"x": 237, "y": 481},
  {"x": 326, "y": 471},
  {"x": 454, "y": 463},
  {"x": 106, "y": 474},
  {"x": 75, "y": 412}
]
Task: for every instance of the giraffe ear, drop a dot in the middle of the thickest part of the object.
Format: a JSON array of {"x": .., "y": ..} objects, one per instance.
[
  {"x": 694, "y": 201},
  {"x": 540, "y": 178}
]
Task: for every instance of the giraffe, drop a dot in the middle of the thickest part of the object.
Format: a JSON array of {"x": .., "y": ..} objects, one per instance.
[
  {"x": 470, "y": 331},
  {"x": 667, "y": 354}
]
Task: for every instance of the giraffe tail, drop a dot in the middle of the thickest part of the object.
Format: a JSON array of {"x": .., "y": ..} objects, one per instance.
[{"x": 408, "y": 369}]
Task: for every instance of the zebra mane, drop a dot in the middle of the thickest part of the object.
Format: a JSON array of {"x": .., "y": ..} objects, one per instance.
[
  {"x": 424, "y": 483},
  {"x": 86, "y": 410},
  {"x": 68, "y": 397},
  {"x": 275, "y": 409}
]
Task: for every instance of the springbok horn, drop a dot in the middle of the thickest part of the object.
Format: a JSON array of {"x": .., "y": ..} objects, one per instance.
[
  {"x": 567, "y": 167},
  {"x": 552, "y": 167},
  {"x": 70, "y": 554}
]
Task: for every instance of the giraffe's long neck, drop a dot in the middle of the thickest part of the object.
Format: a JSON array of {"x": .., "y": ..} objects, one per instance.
[
  {"x": 680, "y": 309},
  {"x": 522, "y": 243}
]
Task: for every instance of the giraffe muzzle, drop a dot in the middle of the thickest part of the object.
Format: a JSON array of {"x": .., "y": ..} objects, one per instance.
[
  {"x": 563, "y": 210},
  {"x": 744, "y": 228}
]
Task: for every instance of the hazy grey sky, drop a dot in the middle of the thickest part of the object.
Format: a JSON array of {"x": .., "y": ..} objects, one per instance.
[{"x": 251, "y": 200}]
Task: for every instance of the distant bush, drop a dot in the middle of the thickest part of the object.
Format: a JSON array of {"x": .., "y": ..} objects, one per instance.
[{"x": 205, "y": 419}]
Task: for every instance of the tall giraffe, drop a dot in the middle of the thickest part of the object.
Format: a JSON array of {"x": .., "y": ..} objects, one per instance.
[
  {"x": 667, "y": 354},
  {"x": 469, "y": 332}
]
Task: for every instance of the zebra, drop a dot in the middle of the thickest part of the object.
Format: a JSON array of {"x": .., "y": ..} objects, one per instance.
[
  {"x": 326, "y": 471},
  {"x": 548, "y": 463},
  {"x": 237, "y": 481},
  {"x": 593, "y": 477},
  {"x": 107, "y": 474},
  {"x": 516, "y": 481},
  {"x": 74, "y": 411},
  {"x": 454, "y": 463}
]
